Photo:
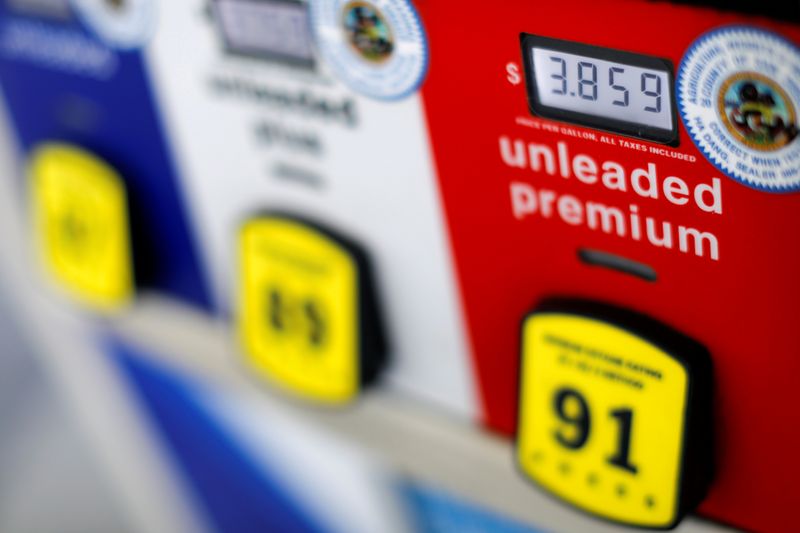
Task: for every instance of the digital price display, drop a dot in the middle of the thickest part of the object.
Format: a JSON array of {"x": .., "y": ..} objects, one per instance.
[
  {"x": 273, "y": 29},
  {"x": 55, "y": 9},
  {"x": 612, "y": 90}
]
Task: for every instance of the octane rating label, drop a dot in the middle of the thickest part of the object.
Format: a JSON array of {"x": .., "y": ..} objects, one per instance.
[
  {"x": 378, "y": 48},
  {"x": 299, "y": 309},
  {"x": 80, "y": 216},
  {"x": 602, "y": 418},
  {"x": 739, "y": 95}
]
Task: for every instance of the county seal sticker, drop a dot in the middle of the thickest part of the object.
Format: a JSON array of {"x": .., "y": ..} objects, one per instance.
[
  {"x": 121, "y": 24},
  {"x": 376, "y": 48},
  {"x": 738, "y": 94}
]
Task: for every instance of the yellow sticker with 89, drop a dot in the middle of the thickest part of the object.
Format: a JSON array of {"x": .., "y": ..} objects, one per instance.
[
  {"x": 602, "y": 418},
  {"x": 80, "y": 215},
  {"x": 298, "y": 315}
]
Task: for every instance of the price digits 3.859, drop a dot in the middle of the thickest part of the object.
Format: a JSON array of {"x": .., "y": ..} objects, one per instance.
[{"x": 587, "y": 73}]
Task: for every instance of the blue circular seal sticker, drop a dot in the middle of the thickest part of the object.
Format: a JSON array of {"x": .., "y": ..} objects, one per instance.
[
  {"x": 376, "y": 47},
  {"x": 122, "y": 24},
  {"x": 739, "y": 96}
]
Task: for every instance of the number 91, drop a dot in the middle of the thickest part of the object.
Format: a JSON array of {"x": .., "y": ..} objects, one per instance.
[{"x": 572, "y": 409}]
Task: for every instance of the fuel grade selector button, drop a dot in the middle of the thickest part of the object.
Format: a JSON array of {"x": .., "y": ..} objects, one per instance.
[
  {"x": 81, "y": 223},
  {"x": 614, "y": 413},
  {"x": 307, "y": 313}
]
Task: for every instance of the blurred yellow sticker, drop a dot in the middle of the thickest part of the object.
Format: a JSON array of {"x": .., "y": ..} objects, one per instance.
[
  {"x": 601, "y": 422},
  {"x": 80, "y": 217},
  {"x": 299, "y": 309}
]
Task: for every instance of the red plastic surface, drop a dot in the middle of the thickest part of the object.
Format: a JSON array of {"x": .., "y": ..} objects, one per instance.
[{"x": 743, "y": 306}]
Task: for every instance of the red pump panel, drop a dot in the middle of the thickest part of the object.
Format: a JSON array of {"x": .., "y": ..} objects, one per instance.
[{"x": 504, "y": 175}]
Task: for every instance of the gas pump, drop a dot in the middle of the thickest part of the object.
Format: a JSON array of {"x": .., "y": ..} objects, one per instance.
[{"x": 620, "y": 180}]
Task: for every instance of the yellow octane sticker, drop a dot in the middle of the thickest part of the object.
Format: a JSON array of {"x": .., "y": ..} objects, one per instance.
[
  {"x": 80, "y": 218},
  {"x": 298, "y": 309},
  {"x": 602, "y": 418}
]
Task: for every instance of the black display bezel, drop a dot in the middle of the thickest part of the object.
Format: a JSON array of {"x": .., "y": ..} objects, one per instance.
[{"x": 631, "y": 129}]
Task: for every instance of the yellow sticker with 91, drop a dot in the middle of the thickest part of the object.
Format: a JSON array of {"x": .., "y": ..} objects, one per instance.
[
  {"x": 80, "y": 215},
  {"x": 298, "y": 316},
  {"x": 602, "y": 418}
]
